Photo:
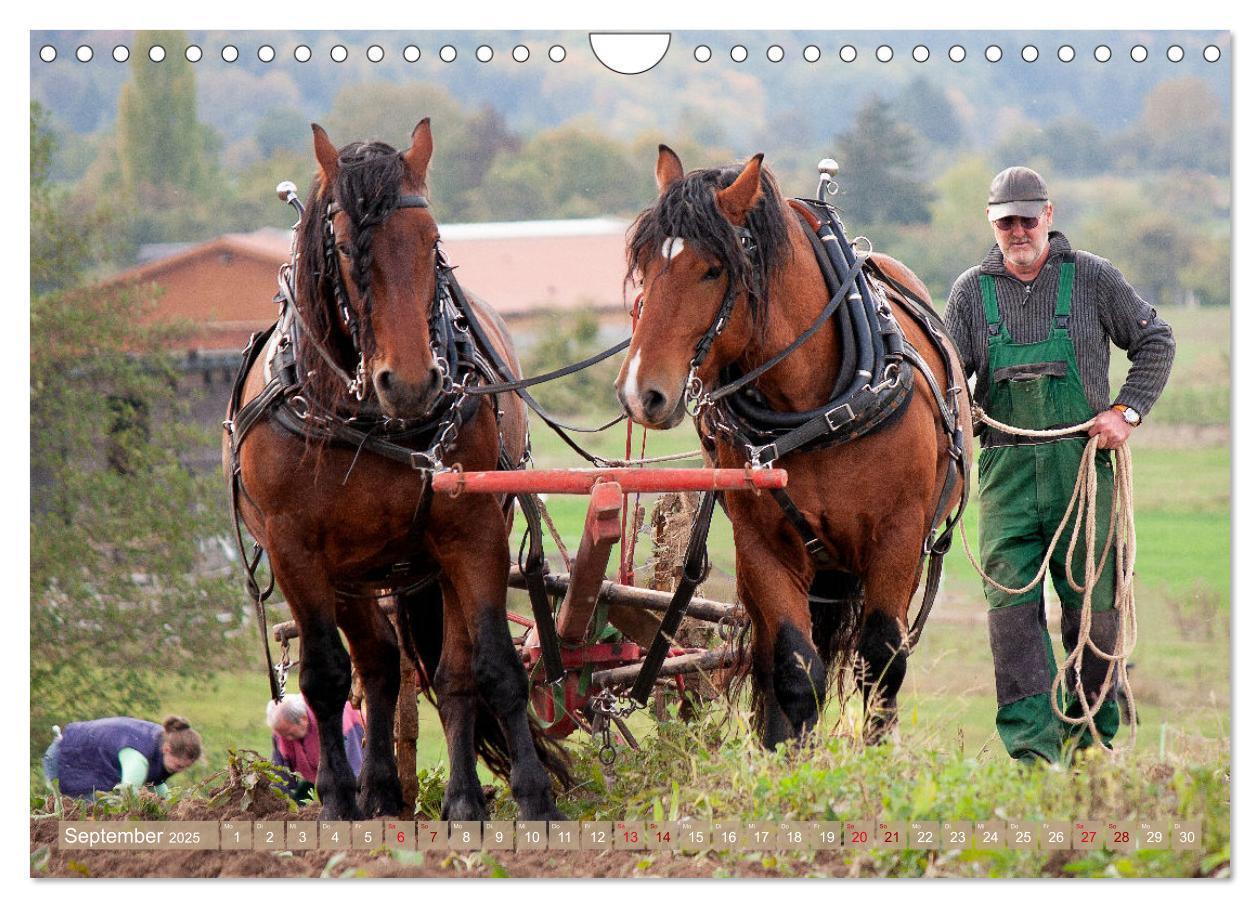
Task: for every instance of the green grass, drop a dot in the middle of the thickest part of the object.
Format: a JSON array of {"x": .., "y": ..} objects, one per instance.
[{"x": 710, "y": 770}]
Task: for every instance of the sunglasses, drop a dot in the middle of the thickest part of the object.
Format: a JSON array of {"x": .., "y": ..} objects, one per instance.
[{"x": 1009, "y": 222}]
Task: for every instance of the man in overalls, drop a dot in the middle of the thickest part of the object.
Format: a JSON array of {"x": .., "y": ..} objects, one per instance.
[{"x": 1034, "y": 323}]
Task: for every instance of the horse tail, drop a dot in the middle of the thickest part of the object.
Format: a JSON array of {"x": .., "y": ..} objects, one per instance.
[
  {"x": 421, "y": 621},
  {"x": 492, "y": 746},
  {"x": 835, "y": 611},
  {"x": 421, "y": 624}
]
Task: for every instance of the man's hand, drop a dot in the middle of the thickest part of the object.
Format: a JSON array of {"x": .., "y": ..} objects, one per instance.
[{"x": 1111, "y": 429}]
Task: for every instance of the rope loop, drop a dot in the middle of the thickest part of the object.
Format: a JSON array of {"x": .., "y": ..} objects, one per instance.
[{"x": 1122, "y": 537}]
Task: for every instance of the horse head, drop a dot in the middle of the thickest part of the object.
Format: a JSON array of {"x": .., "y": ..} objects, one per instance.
[
  {"x": 704, "y": 253},
  {"x": 367, "y": 272}
]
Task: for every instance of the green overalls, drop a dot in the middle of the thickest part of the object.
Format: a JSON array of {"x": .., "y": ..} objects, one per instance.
[{"x": 1025, "y": 487}]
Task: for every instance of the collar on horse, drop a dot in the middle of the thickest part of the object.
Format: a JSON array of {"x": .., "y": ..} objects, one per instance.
[{"x": 874, "y": 385}]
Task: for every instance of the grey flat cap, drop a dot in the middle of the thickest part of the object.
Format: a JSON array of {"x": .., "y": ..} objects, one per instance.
[{"x": 1019, "y": 191}]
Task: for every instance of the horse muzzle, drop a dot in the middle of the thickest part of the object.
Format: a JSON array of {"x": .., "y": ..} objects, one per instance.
[{"x": 407, "y": 400}]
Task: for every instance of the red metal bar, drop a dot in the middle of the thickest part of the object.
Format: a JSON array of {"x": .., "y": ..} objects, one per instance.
[{"x": 631, "y": 479}]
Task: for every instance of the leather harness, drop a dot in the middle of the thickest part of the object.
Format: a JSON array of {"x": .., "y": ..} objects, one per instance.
[
  {"x": 466, "y": 358},
  {"x": 875, "y": 385}
]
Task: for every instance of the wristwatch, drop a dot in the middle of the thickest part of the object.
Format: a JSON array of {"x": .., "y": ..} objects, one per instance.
[{"x": 1131, "y": 416}]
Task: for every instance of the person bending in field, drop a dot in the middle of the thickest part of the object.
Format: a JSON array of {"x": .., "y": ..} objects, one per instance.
[
  {"x": 295, "y": 741},
  {"x": 1034, "y": 323},
  {"x": 119, "y": 752}
]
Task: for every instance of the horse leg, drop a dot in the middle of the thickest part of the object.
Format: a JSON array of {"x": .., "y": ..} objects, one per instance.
[
  {"x": 890, "y": 584},
  {"x": 456, "y": 691},
  {"x": 481, "y": 593},
  {"x": 789, "y": 677},
  {"x": 374, "y": 650},
  {"x": 325, "y": 672}
]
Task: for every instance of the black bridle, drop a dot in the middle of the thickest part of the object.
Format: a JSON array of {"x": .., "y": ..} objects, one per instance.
[
  {"x": 356, "y": 386},
  {"x": 694, "y": 390}
]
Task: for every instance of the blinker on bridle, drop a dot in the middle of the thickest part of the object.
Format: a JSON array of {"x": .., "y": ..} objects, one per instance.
[
  {"x": 357, "y": 387},
  {"x": 694, "y": 387}
]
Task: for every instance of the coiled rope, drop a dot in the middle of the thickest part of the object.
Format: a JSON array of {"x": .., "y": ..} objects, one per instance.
[{"x": 1123, "y": 538}]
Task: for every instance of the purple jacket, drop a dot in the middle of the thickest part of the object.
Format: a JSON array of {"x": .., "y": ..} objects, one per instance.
[{"x": 88, "y": 757}]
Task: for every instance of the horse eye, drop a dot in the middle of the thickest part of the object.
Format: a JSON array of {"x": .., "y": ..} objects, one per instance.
[
  {"x": 343, "y": 249},
  {"x": 712, "y": 274}
]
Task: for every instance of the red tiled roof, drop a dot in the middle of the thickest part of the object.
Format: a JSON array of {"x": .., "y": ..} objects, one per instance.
[{"x": 224, "y": 286}]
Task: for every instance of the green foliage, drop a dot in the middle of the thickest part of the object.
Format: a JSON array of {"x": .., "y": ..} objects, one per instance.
[
  {"x": 432, "y": 789},
  {"x": 247, "y": 782},
  {"x": 924, "y": 107},
  {"x": 713, "y": 769},
  {"x": 117, "y": 523},
  {"x": 563, "y": 339},
  {"x": 878, "y": 169},
  {"x": 160, "y": 141},
  {"x": 571, "y": 172},
  {"x": 1207, "y": 277},
  {"x": 161, "y": 145},
  {"x": 1182, "y": 126},
  {"x": 60, "y": 244},
  {"x": 1072, "y": 146},
  {"x": 166, "y": 167}
]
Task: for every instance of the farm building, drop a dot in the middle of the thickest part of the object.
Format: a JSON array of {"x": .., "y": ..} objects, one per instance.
[{"x": 221, "y": 290}]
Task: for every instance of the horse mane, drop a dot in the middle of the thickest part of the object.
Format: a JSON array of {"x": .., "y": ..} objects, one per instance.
[
  {"x": 688, "y": 209},
  {"x": 367, "y": 188}
]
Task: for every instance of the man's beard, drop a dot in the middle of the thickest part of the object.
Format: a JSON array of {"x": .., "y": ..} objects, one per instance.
[{"x": 1026, "y": 253}]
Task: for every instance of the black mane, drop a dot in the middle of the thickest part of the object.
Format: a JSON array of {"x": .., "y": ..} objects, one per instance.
[
  {"x": 688, "y": 210},
  {"x": 367, "y": 188}
]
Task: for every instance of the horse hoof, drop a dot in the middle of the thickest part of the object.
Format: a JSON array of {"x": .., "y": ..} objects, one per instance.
[
  {"x": 464, "y": 807},
  {"x": 332, "y": 811},
  {"x": 382, "y": 806},
  {"x": 543, "y": 808}
]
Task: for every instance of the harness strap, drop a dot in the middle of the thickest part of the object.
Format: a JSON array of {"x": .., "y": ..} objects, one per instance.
[
  {"x": 860, "y": 414},
  {"x": 695, "y": 569},
  {"x": 534, "y": 570},
  {"x": 520, "y": 383},
  {"x": 816, "y": 548},
  {"x": 237, "y": 427},
  {"x": 836, "y": 301}
]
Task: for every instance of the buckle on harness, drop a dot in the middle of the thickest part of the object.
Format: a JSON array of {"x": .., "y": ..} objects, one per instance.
[
  {"x": 755, "y": 455},
  {"x": 834, "y": 427},
  {"x": 1061, "y": 321},
  {"x": 816, "y": 549},
  {"x": 424, "y": 462}
]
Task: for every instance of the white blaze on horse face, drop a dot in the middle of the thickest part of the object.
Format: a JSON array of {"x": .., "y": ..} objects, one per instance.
[
  {"x": 631, "y": 389},
  {"x": 671, "y": 248}
]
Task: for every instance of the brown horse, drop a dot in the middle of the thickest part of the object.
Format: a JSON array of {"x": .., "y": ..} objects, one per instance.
[
  {"x": 871, "y": 501},
  {"x": 341, "y": 520}
]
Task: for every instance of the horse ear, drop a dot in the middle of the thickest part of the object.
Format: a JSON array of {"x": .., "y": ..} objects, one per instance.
[
  {"x": 669, "y": 169},
  {"x": 326, "y": 154},
  {"x": 736, "y": 200},
  {"x": 417, "y": 156}
]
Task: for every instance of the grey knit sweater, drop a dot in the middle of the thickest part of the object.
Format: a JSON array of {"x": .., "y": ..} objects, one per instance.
[{"x": 1105, "y": 310}]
